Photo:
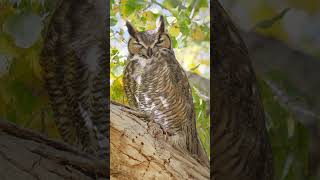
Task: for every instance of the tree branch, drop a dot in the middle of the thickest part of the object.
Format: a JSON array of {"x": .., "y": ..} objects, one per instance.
[
  {"x": 138, "y": 155},
  {"x": 29, "y": 154}
]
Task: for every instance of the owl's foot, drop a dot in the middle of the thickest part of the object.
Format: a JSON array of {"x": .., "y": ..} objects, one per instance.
[{"x": 156, "y": 130}]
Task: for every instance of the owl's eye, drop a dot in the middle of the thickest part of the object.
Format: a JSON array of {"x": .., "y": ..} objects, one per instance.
[
  {"x": 134, "y": 46},
  {"x": 164, "y": 41},
  {"x": 137, "y": 44}
]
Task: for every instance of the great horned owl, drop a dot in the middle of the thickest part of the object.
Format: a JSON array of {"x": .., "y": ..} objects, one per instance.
[
  {"x": 156, "y": 85},
  {"x": 75, "y": 71},
  {"x": 242, "y": 149}
]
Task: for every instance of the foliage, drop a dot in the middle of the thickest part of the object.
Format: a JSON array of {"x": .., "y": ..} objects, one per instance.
[
  {"x": 22, "y": 97},
  {"x": 289, "y": 138},
  {"x": 188, "y": 24},
  {"x": 269, "y": 22}
]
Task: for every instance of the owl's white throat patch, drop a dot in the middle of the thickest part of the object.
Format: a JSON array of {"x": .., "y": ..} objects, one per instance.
[{"x": 141, "y": 60}]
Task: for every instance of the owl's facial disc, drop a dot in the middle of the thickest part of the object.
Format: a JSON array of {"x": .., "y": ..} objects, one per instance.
[
  {"x": 147, "y": 43},
  {"x": 163, "y": 41}
]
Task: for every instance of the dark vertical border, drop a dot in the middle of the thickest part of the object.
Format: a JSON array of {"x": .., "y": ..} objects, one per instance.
[
  {"x": 212, "y": 18},
  {"x": 108, "y": 77}
]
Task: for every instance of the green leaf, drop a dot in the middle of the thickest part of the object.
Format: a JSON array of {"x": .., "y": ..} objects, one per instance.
[
  {"x": 174, "y": 42},
  {"x": 23, "y": 96},
  {"x": 127, "y": 7},
  {"x": 113, "y": 21},
  {"x": 194, "y": 68},
  {"x": 171, "y": 3},
  {"x": 269, "y": 22}
]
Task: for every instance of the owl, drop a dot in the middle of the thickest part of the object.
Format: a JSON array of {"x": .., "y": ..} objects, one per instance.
[
  {"x": 75, "y": 73},
  {"x": 242, "y": 149},
  {"x": 156, "y": 84}
]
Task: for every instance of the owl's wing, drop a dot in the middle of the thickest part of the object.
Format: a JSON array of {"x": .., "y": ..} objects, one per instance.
[
  {"x": 241, "y": 147},
  {"x": 166, "y": 94},
  {"x": 130, "y": 86},
  {"x": 75, "y": 73},
  {"x": 62, "y": 87}
]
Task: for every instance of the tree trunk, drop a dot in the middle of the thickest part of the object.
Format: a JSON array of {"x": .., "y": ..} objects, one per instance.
[{"x": 136, "y": 154}]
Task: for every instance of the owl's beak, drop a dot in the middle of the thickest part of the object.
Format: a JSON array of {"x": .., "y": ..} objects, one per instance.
[{"x": 149, "y": 52}]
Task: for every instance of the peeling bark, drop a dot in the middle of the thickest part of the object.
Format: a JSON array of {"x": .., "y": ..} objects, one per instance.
[{"x": 136, "y": 154}]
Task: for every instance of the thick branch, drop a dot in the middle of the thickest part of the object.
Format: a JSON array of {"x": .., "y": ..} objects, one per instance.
[
  {"x": 28, "y": 155},
  {"x": 135, "y": 154},
  {"x": 299, "y": 69}
]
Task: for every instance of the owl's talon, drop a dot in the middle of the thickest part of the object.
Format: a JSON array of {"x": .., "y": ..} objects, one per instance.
[{"x": 155, "y": 130}]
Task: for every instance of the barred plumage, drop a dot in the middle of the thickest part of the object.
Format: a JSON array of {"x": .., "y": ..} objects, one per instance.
[
  {"x": 156, "y": 84},
  {"x": 241, "y": 149},
  {"x": 74, "y": 63}
]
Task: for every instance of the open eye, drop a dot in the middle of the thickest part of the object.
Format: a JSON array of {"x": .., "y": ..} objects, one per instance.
[
  {"x": 134, "y": 46},
  {"x": 164, "y": 41}
]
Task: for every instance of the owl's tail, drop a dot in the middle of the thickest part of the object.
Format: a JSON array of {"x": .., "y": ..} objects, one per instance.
[{"x": 203, "y": 157}]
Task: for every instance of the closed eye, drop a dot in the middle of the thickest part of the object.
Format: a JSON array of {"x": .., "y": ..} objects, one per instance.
[
  {"x": 138, "y": 45},
  {"x": 160, "y": 41}
]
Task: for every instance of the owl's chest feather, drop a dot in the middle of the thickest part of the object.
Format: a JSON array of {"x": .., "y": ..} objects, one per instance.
[{"x": 141, "y": 66}]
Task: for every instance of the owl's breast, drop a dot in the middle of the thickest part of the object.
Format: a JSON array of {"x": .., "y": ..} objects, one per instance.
[{"x": 162, "y": 91}]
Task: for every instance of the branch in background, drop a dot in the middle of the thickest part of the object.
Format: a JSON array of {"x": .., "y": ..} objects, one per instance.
[
  {"x": 200, "y": 82},
  {"x": 303, "y": 115},
  {"x": 300, "y": 69},
  {"x": 202, "y": 87},
  {"x": 28, "y": 155},
  {"x": 302, "y": 72},
  {"x": 306, "y": 117}
]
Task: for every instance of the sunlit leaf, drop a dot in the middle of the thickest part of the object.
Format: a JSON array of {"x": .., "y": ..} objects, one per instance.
[
  {"x": 127, "y": 7},
  {"x": 174, "y": 42},
  {"x": 113, "y": 21},
  {"x": 194, "y": 68},
  {"x": 171, "y": 3},
  {"x": 197, "y": 34},
  {"x": 174, "y": 30}
]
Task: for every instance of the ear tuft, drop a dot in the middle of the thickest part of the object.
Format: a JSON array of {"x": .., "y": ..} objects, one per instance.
[
  {"x": 131, "y": 29},
  {"x": 162, "y": 25}
]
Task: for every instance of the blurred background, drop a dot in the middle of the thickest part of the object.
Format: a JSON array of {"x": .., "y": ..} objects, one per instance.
[
  {"x": 23, "y": 23},
  {"x": 188, "y": 24},
  {"x": 283, "y": 38},
  {"x": 23, "y": 99}
]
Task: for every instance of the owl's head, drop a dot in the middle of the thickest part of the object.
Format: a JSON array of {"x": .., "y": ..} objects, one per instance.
[{"x": 147, "y": 43}]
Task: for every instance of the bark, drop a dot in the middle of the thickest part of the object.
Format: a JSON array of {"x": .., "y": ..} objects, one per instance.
[
  {"x": 26, "y": 155},
  {"x": 136, "y": 154}
]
